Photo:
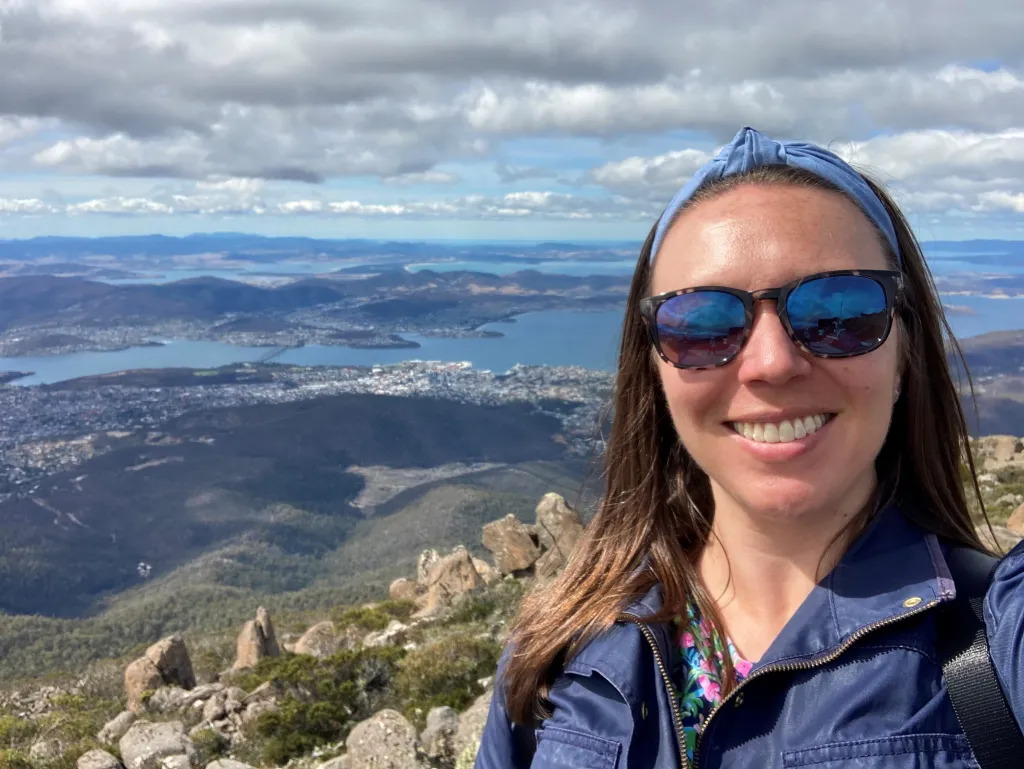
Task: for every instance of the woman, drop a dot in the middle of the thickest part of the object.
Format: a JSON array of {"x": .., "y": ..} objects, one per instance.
[{"x": 760, "y": 585}]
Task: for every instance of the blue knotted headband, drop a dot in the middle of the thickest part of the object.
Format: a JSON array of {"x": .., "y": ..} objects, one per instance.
[{"x": 751, "y": 149}]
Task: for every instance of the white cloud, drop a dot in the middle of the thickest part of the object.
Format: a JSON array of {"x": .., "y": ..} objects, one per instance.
[
  {"x": 29, "y": 206},
  {"x": 119, "y": 205},
  {"x": 930, "y": 170},
  {"x": 937, "y": 154},
  {"x": 658, "y": 175},
  {"x": 230, "y": 200},
  {"x": 260, "y": 101},
  {"x": 13, "y": 129},
  {"x": 423, "y": 177},
  {"x": 594, "y": 108},
  {"x": 1002, "y": 201}
]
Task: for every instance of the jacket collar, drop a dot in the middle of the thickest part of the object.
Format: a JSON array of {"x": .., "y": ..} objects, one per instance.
[{"x": 892, "y": 570}]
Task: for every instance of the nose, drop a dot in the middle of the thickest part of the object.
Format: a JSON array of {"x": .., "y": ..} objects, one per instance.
[{"x": 769, "y": 354}]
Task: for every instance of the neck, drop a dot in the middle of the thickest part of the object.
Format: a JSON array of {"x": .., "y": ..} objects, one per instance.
[{"x": 759, "y": 569}]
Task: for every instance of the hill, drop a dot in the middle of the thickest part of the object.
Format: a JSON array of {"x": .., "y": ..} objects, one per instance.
[
  {"x": 44, "y": 313},
  {"x": 276, "y": 482}
]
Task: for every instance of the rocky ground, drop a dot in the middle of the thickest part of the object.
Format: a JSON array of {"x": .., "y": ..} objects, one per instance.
[{"x": 400, "y": 684}]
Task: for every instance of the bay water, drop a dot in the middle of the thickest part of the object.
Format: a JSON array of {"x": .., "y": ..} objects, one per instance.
[{"x": 554, "y": 337}]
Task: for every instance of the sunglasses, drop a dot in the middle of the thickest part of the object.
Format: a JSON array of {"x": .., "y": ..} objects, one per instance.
[{"x": 837, "y": 314}]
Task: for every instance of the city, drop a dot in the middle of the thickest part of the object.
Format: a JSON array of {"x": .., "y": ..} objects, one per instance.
[{"x": 45, "y": 430}]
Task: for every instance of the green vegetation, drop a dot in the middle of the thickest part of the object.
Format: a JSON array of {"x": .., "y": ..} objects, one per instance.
[
  {"x": 500, "y": 602},
  {"x": 320, "y": 699},
  {"x": 265, "y": 485},
  {"x": 377, "y": 617},
  {"x": 325, "y": 698},
  {"x": 14, "y": 759},
  {"x": 211, "y": 597},
  {"x": 444, "y": 673},
  {"x": 209, "y": 746},
  {"x": 74, "y": 721}
]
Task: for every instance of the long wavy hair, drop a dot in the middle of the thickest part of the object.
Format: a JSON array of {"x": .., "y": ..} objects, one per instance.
[{"x": 657, "y": 508}]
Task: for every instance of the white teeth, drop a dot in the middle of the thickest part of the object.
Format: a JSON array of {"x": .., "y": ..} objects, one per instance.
[{"x": 785, "y": 431}]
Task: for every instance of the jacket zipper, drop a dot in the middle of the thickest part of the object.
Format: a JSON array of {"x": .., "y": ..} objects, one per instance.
[
  {"x": 784, "y": 667},
  {"x": 673, "y": 699}
]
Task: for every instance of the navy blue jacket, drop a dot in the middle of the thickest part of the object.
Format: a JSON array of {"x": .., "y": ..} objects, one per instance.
[{"x": 853, "y": 680}]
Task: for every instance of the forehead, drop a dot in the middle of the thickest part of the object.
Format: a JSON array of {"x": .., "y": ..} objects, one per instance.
[{"x": 760, "y": 236}]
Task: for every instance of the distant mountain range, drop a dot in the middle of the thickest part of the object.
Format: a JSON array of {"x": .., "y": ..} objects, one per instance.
[
  {"x": 268, "y": 249},
  {"x": 389, "y": 299},
  {"x": 258, "y": 248}
]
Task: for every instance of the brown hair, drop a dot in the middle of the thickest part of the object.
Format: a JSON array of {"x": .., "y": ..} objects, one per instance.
[{"x": 657, "y": 509}]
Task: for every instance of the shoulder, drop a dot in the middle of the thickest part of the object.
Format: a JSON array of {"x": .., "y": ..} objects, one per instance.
[
  {"x": 1004, "y": 625},
  {"x": 622, "y": 655},
  {"x": 594, "y": 700},
  {"x": 1005, "y": 597}
]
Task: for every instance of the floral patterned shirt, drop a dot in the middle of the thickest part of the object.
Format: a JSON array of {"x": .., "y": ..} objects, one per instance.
[{"x": 699, "y": 671}]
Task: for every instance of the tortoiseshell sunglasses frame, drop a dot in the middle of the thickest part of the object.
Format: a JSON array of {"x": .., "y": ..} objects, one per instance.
[{"x": 891, "y": 282}]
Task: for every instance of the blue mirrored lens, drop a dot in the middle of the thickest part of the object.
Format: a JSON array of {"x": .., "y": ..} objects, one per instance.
[
  {"x": 703, "y": 328},
  {"x": 839, "y": 315}
]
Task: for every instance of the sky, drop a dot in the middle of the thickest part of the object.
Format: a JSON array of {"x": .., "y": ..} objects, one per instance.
[{"x": 476, "y": 119}]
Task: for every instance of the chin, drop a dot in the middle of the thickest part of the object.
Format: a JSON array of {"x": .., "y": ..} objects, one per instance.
[{"x": 782, "y": 499}]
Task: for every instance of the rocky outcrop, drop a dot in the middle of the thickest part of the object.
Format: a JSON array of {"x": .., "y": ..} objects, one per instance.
[
  {"x": 403, "y": 589},
  {"x": 558, "y": 529},
  {"x": 266, "y": 627},
  {"x": 1005, "y": 539},
  {"x": 448, "y": 578},
  {"x": 392, "y": 635},
  {"x": 385, "y": 741},
  {"x": 162, "y": 684},
  {"x": 171, "y": 658},
  {"x": 512, "y": 545},
  {"x": 158, "y": 746},
  {"x": 1015, "y": 523},
  {"x": 319, "y": 641},
  {"x": 46, "y": 750},
  {"x": 424, "y": 564},
  {"x": 437, "y": 739},
  {"x": 116, "y": 728},
  {"x": 257, "y": 641},
  {"x": 471, "y": 729},
  {"x": 97, "y": 759},
  {"x": 165, "y": 663},
  {"x": 487, "y": 573},
  {"x": 170, "y": 699},
  {"x": 996, "y": 452},
  {"x": 141, "y": 679},
  {"x": 541, "y": 549}
]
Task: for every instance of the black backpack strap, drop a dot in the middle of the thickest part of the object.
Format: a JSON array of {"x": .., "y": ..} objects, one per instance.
[{"x": 977, "y": 698}]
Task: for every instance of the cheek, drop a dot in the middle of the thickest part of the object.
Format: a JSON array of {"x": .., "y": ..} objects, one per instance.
[
  {"x": 692, "y": 396},
  {"x": 869, "y": 384}
]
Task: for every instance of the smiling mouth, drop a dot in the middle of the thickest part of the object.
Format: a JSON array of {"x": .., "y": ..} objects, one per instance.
[{"x": 784, "y": 431}]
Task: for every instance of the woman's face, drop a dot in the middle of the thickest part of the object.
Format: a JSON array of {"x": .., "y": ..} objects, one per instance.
[{"x": 755, "y": 237}]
